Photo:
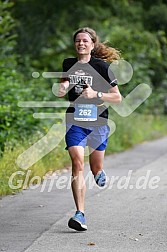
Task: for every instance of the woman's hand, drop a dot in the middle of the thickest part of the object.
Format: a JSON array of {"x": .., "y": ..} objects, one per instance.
[
  {"x": 62, "y": 88},
  {"x": 62, "y": 91},
  {"x": 89, "y": 93}
]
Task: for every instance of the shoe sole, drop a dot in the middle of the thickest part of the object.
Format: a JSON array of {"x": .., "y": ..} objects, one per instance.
[{"x": 76, "y": 225}]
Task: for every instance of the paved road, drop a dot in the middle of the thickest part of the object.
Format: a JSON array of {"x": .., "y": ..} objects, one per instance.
[{"x": 130, "y": 214}]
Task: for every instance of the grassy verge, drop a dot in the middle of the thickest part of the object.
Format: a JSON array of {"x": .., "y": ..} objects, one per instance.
[
  {"x": 135, "y": 129},
  {"x": 129, "y": 131}
]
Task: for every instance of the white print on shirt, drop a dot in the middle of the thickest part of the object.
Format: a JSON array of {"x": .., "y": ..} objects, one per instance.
[
  {"x": 80, "y": 79},
  {"x": 80, "y": 76}
]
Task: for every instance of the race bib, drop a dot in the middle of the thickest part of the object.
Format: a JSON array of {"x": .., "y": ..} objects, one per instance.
[{"x": 85, "y": 112}]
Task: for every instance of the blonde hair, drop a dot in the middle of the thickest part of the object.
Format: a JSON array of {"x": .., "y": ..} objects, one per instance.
[{"x": 101, "y": 50}]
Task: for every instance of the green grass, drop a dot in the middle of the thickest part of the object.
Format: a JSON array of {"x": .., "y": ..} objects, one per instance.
[
  {"x": 129, "y": 131},
  {"x": 135, "y": 129}
]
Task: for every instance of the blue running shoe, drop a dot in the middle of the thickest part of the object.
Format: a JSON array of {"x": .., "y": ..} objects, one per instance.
[
  {"x": 78, "y": 222},
  {"x": 100, "y": 178}
]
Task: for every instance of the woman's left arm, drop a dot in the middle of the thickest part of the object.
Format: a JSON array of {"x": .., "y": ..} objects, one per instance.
[{"x": 113, "y": 95}]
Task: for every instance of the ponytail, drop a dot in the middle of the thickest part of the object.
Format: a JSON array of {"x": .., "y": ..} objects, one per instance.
[{"x": 105, "y": 52}]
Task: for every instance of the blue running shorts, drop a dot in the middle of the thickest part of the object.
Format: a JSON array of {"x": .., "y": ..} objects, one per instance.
[{"x": 95, "y": 137}]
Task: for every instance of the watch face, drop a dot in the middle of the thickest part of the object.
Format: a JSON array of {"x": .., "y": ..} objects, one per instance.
[{"x": 99, "y": 94}]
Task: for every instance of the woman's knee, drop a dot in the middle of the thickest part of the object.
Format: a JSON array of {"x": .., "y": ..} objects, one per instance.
[{"x": 77, "y": 165}]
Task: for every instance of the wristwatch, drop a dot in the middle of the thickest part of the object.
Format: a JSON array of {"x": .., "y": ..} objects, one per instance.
[{"x": 99, "y": 94}]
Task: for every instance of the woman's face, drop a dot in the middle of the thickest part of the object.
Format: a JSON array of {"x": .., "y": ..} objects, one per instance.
[{"x": 83, "y": 44}]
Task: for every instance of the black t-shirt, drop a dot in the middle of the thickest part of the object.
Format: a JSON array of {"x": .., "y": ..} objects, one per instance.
[{"x": 98, "y": 75}]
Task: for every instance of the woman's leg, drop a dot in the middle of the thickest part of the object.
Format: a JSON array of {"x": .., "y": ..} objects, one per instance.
[
  {"x": 96, "y": 160},
  {"x": 78, "y": 183}
]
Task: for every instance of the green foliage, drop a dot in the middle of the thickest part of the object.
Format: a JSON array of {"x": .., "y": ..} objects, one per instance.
[
  {"x": 7, "y": 66},
  {"x": 16, "y": 124},
  {"x": 156, "y": 18},
  {"x": 7, "y": 38}
]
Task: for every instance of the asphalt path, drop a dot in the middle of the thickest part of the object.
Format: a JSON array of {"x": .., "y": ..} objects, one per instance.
[{"x": 129, "y": 214}]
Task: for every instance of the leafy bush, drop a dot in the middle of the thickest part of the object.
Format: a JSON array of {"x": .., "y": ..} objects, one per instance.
[{"x": 16, "y": 124}]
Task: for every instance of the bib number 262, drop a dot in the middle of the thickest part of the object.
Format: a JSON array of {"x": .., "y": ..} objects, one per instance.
[{"x": 85, "y": 112}]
